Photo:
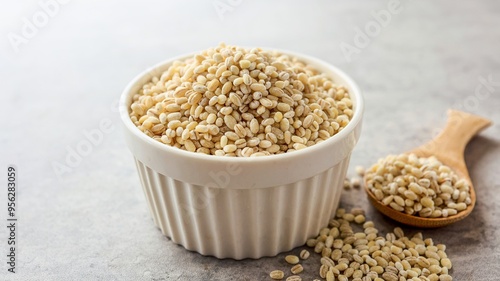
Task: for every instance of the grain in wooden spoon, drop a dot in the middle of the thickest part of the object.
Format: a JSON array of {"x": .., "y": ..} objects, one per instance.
[{"x": 446, "y": 151}]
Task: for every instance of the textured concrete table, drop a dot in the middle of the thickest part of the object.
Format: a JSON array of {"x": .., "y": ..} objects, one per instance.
[{"x": 63, "y": 67}]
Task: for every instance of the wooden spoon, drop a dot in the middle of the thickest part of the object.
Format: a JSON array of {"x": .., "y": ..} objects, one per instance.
[{"x": 448, "y": 147}]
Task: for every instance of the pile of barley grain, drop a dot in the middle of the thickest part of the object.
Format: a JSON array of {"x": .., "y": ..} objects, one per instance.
[
  {"x": 366, "y": 255},
  {"x": 233, "y": 101}
]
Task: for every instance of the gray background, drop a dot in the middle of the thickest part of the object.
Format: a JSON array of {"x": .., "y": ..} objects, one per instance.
[{"x": 92, "y": 223}]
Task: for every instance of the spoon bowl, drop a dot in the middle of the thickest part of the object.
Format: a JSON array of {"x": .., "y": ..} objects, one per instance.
[{"x": 448, "y": 147}]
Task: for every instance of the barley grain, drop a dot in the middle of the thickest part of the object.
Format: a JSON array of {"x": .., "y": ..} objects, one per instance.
[
  {"x": 296, "y": 269},
  {"x": 304, "y": 254},
  {"x": 277, "y": 274},
  {"x": 292, "y": 259}
]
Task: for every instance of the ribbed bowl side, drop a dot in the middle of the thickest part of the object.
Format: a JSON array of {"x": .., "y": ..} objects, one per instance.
[{"x": 242, "y": 223}]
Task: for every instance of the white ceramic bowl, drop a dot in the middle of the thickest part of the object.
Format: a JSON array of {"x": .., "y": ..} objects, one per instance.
[{"x": 235, "y": 207}]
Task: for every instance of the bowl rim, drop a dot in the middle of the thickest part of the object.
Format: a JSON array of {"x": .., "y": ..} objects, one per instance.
[{"x": 358, "y": 108}]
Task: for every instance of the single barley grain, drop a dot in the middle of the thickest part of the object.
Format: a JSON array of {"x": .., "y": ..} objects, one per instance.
[
  {"x": 294, "y": 278},
  {"x": 292, "y": 259},
  {"x": 304, "y": 254},
  {"x": 296, "y": 269},
  {"x": 277, "y": 274},
  {"x": 360, "y": 170}
]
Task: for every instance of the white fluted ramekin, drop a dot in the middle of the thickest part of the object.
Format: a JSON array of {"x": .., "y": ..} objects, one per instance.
[{"x": 235, "y": 207}]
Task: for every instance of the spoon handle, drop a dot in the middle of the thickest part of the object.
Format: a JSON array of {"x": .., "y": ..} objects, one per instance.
[{"x": 451, "y": 142}]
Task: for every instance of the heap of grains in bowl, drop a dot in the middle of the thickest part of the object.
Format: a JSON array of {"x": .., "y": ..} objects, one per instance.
[
  {"x": 418, "y": 186},
  {"x": 232, "y": 101}
]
